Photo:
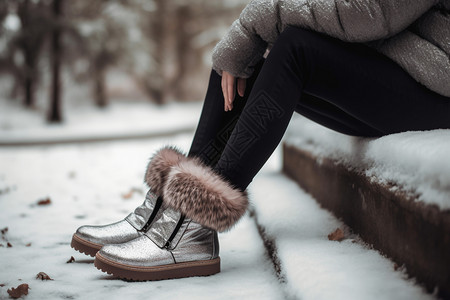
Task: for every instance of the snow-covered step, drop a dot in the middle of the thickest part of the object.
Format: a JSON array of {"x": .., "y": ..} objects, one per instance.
[
  {"x": 393, "y": 191},
  {"x": 312, "y": 267}
]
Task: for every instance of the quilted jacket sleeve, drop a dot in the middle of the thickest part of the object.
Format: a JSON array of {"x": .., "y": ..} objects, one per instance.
[{"x": 262, "y": 21}]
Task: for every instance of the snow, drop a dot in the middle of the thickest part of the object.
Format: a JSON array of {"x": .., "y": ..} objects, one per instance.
[
  {"x": 313, "y": 267},
  {"x": 86, "y": 184},
  {"x": 417, "y": 162},
  {"x": 11, "y": 22},
  {"x": 119, "y": 120}
]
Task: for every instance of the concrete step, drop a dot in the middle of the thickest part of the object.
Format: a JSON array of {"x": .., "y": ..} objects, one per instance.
[{"x": 391, "y": 217}]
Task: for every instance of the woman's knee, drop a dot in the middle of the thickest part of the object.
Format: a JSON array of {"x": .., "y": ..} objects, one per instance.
[
  {"x": 295, "y": 36},
  {"x": 292, "y": 45}
]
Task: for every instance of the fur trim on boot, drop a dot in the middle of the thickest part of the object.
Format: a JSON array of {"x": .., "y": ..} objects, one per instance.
[
  {"x": 203, "y": 195},
  {"x": 159, "y": 167}
]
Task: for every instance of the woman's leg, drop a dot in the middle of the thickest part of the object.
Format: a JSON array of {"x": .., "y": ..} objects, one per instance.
[
  {"x": 215, "y": 125},
  {"x": 371, "y": 95},
  {"x": 331, "y": 116}
]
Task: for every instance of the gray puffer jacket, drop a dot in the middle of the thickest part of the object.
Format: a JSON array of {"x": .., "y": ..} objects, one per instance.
[{"x": 413, "y": 33}]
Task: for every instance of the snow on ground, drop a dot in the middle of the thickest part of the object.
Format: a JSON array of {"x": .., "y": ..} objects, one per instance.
[
  {"x": 102, "y": 182},
  {"x": 84, "y": 122},
  {"x": 416, "y": 161},
  {"x": 313, "y": 267},
  {"x": 86, "y": 185}
]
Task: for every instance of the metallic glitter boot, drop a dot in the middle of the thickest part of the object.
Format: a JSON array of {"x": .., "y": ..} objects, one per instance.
[
  {"x": 174, "y": 247},
  {"x": 89, "y": 239},
  {"x": 182, "y": 241}
]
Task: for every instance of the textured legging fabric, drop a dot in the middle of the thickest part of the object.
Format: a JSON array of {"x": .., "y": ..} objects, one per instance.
[{"x": 347, "y": 87}]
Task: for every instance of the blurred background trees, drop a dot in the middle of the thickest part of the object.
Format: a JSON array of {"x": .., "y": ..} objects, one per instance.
[{"x": 159, "y": 49}]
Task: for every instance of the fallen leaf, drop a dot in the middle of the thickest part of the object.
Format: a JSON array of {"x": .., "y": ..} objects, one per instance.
[
  {"x": 2, "y": 284},
  {"x": 8, "y": 245},
  {"x": 28, "y": 245},
  {"x": 71, "y": 260},
  {"x": 337, "y": 235},
  {"x": 131, "y": 192},
  {"x": 4, "y": 230},
  {"x": 18, "y": 291},
  {"x": 128, "y": 195},
  {"x": 46, "y": 201},
  {"x": 43, "y": 276}
]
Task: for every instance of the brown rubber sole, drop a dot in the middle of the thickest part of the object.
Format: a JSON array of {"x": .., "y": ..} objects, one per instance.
[
  {"x": 84, "y": 246},
  {"x": 172, "y": 271}
]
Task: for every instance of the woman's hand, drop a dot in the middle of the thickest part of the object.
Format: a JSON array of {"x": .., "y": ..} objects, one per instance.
[{"x": 229, "y": 91}]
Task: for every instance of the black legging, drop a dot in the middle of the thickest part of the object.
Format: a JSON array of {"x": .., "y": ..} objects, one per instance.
[{"x": 347, "y": 87}]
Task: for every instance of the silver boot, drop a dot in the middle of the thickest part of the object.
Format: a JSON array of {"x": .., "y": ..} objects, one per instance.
[
  {"x": 89, "y": 239},
  {"x": 183, "y": 240},
  {"x": 174, "y": 247}
]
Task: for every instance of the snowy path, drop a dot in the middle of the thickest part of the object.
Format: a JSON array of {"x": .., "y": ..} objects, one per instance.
[
  {"x": 86, "y": 184},
  {"x": 118, "y": 121}
]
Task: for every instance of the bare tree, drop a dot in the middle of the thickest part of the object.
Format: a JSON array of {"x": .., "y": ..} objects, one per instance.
[
  {"x": 156, "y": 28},
  {"x": 102, "y": 39},
  {"x": 55, "y": 100},
  {"x": 30, "y": 39},
  {"x": 160, "y": 43}
]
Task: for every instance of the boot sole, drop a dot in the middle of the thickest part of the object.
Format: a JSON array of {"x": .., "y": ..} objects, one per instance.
[
  {"x": 172, "y": 271},
  {"x": 84, "y": 246}
]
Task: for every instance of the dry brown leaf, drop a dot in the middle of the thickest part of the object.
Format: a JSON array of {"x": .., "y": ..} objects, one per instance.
[
  {"x": 131, "y": 192},
  {"x": 2, "y": 284},
  {"x": 28, "y": 245},
  {"x": 337, "y": 235},
  {"x": 43, "y": 276},
  {"x": 71, "y": 260},
  {"x": 128, "y": 195},
  {"x": 18, "y": 291},
  {"x": 4, "y": 230},
  {"x": 8, "y": 245},
  {"x": 45, "y": 201}
]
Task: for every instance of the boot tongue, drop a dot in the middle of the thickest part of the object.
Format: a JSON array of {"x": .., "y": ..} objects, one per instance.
[
  {"x": 142, "y": 213},
  {"x": 167, "y": 230}
]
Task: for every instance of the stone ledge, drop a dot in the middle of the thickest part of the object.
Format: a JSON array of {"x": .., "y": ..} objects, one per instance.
[{"x": 411, "y": 233}]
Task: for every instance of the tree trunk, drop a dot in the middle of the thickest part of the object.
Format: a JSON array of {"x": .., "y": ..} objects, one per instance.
[
  {"x": 188, "y": 56},
  {"x": 55, "y": 100},
  {"x": 29, "y": 91},
  {"x": 99, "y": 90},
  {"x": 28, "y": 56},
  {"x": 182, "y": 52},
  {"x": 157, "y": 85},
  {"x": 30, "y": 44}
]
